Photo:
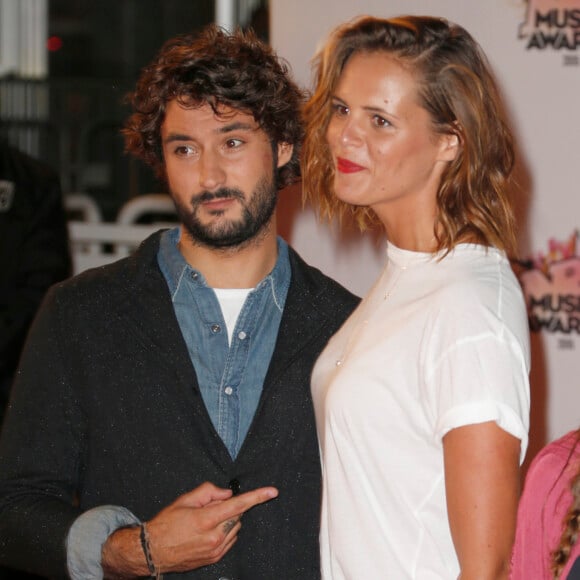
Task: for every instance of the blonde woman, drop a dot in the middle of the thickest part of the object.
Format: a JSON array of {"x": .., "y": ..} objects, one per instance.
[{"x": 422, "y": 398}]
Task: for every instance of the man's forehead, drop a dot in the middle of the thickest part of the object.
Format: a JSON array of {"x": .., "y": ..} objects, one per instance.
[{"x": 220, "y": 112}]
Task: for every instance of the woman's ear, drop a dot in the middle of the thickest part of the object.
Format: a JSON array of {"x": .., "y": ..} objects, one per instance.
[
  {"x": 450, "y": 146},
  {"x": 284, "y": 153}
]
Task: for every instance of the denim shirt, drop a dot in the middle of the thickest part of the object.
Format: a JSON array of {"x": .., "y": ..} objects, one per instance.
[{"x": 230, "y": 376}]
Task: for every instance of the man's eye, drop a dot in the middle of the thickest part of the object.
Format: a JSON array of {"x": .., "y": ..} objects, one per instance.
[
  {"x": 233, "y": 143},
  {"x": 183, "y": 150}
]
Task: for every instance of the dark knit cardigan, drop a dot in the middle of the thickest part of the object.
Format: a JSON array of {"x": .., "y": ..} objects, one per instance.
[{"x": 107, "y": 410}]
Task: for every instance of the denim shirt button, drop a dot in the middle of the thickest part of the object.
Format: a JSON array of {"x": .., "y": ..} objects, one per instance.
[
  {"x": 228, "y": 390},
  {"x": 215, "y": 328},
  {"x": 194, "y": 275},
  {"x": 242, "y": 335}
]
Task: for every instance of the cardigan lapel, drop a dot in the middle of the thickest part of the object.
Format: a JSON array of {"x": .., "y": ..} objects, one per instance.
[
  {"x": 302, "y": 321},
  {"x": 150, "y": 311}
]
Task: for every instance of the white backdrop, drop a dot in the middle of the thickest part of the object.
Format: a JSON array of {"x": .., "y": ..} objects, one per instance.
[{"x": 534, "y": 49}]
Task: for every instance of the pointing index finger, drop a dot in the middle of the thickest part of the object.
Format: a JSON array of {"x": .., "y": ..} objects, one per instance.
[{"x": 237, "y": 505}]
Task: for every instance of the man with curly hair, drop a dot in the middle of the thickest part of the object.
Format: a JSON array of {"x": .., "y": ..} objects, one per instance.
[{"x": 162, "y": 420}]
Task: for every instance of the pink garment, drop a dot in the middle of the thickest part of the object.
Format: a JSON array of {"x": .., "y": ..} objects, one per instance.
[{"x": 545, "y": 500}]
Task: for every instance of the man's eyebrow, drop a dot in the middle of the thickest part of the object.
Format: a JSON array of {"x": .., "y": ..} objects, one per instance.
[
  {"x": 237, "y": 126},
  {"x": 177, "y": 137}
]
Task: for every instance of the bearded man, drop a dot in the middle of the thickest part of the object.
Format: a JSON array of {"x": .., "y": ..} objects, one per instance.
[{"x": 162, "y": 421}]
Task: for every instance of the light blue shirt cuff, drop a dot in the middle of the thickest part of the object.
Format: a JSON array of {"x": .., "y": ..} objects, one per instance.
[{"x": 87, "y": 535}]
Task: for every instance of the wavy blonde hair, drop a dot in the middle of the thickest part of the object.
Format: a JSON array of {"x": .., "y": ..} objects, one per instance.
[{"x": 456, "y": 87}]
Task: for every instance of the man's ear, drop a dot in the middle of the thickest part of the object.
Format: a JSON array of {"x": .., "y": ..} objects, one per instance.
[{"x": 284, "y": 153}]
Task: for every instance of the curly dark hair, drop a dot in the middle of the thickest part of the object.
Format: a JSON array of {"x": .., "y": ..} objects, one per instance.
[
  {"x": 457, "y": 89},
  {"x": 217, "y": 68}
]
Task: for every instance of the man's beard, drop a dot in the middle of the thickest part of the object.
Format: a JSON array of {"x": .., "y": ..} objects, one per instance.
[{"x": 256, "y": 215}]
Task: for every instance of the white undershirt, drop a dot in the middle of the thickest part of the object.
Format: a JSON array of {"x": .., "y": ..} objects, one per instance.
[{"x": 231, "y": 302}]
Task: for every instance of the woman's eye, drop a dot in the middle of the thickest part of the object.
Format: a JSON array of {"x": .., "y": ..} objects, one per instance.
[
  {"x": 339, "y": 109},
  {"x": 379, "y": 121}
]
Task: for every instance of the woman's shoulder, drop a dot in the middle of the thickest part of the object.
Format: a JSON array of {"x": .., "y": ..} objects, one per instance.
[
  {"x": 560, "y": 449},
  {"x": 474, "y": 280},
  {"x": 548, "y": 465}
]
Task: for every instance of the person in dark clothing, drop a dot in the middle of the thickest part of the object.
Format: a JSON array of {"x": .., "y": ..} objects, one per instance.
[
  {"x": 34, "y": 254},
  {"x": 162, "y": 420},
  {"x": 34, "y": 250}
]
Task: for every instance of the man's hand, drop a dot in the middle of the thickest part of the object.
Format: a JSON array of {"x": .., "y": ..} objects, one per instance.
[{"x": 197, "y": 529}]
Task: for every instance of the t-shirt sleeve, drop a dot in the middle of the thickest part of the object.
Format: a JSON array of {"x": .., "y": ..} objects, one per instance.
[{"x": 482, "y": 378}]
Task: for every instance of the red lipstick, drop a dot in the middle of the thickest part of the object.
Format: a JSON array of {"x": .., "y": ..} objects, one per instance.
[{"x": 346, "y": 166}]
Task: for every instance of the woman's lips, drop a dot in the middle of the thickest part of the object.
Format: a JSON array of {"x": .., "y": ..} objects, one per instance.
[{"x": 346, "y": 166}]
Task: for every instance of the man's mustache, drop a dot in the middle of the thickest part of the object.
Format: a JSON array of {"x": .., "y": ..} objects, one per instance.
[{"x": 221, "y": 193}]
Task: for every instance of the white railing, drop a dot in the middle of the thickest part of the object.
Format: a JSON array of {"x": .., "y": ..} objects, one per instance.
[{"x": 96, "y": 243}]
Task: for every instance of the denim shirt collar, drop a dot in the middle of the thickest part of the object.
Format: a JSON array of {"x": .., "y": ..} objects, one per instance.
[
  {"x": 230, "y": 376},
  {"x": 174, "y": 267}
]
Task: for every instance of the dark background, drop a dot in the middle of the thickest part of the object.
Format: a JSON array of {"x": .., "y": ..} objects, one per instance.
[{"x": 72, "y": 119}]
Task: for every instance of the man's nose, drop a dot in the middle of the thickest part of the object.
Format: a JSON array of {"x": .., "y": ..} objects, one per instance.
[{"x": 211, "y": 172}]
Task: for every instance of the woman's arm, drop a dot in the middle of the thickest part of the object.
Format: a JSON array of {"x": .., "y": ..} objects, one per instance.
[{"x": 482, "y": 481}]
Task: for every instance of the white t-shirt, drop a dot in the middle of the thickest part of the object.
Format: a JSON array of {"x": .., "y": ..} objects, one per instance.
[
  {"x": 434, "y": 346},
  {"x": 231, "y": 302}
]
